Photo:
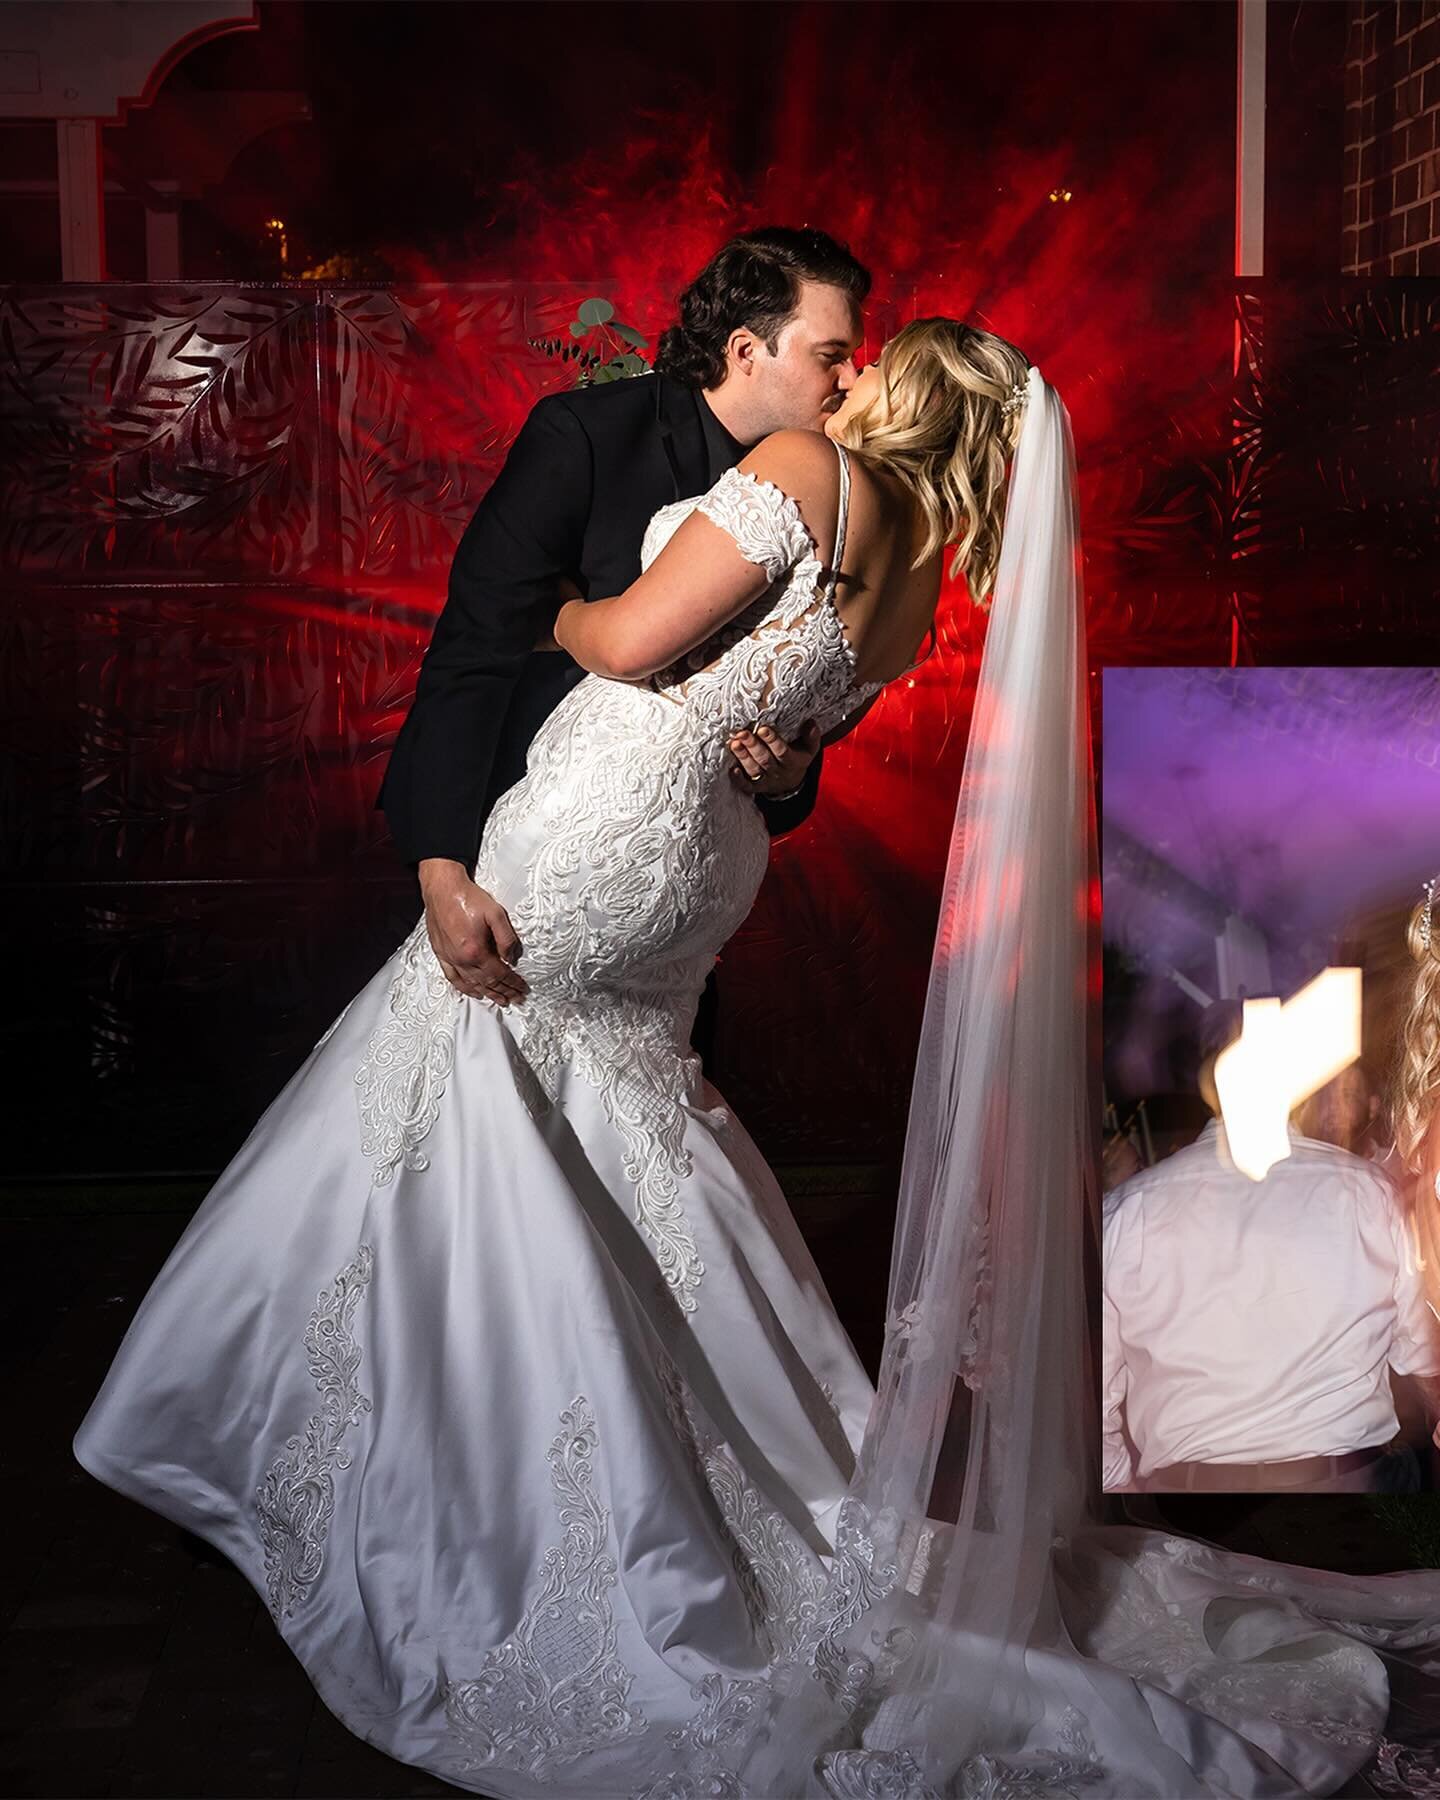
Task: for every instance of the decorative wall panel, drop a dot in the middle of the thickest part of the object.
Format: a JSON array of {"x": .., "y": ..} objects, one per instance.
[
  {"x": 431, "y": 386},
  {"x": 159, "y": 431}
]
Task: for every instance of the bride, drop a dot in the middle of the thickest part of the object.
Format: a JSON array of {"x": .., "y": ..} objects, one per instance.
[{"x": 497, "y": 1364}]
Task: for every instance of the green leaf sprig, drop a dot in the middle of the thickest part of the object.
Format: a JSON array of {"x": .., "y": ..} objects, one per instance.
[{"x": 600, "y": 348}]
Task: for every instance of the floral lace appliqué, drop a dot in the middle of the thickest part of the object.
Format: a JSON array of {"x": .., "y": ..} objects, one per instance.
[
  {"x": 627, "y": 1051},
  {"x": 785, "y": 659},
  {"x": 408, "y": 1062},
  {"x": 865, "y": 1572},
  {"x": 1399, "y": 1770},
  {"x": 1070, "y": 1768},
  {"x": 641, "y": 859},
  {"x": 556, "y": 1689},
  {"x": 764, "y": 522},
  {"x": 644, "y": 1085},
  {"x": 1320, "y": 1692},
  {"x": 781, "y": 1578},
  {"x": 296, "y": 1500},
  {"x": 709, "y": 1741}
]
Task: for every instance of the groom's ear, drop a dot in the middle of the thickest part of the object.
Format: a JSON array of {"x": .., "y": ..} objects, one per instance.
[{"x": 741, "y": 348}]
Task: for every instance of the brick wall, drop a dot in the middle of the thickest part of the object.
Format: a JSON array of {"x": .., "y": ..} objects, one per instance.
[{"x": 1392, "y": 138}]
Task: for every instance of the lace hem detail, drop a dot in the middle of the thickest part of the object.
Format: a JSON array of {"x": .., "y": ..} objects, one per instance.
[
  {"x": 782, "y": 1580},
  {"x": 726, "y": 1709},
  {"x": 865, "y": 1572},
  {"x": 1399, "y": 1770},
  {"x": 1322, "y": 1693},
  {"x": 296, "y": 1501},
  {"x": 556, "y": 1689},
  {"x": 1070, "y": 1768}
]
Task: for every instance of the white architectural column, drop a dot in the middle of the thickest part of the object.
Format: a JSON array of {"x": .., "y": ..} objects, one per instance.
[
  {"x": 82, "y": 206},
  {"x": 82, "y": 63},
  {"x": 1250, "y": 141}
]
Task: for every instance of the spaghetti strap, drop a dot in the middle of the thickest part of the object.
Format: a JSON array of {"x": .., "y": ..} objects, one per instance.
[{"x": 841, "y": 519}]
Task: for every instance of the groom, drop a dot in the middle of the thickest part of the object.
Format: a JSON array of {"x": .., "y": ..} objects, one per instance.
[{"x": 766, "y": 341}]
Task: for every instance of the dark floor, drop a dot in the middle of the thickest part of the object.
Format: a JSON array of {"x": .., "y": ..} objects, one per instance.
[{"x": 135, "y": 1661}]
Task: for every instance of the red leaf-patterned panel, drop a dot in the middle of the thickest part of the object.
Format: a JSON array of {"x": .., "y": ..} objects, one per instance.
[{"x": 158, "y": 431}]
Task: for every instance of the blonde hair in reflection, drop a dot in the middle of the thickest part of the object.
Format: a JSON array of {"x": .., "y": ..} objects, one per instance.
[
  {"x": 938, "y": 424},
  {"x": 1416, "y": 1103}
]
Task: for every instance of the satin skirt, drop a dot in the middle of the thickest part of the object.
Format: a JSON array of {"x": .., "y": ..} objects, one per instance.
[{"x": 520, "y": 1514}]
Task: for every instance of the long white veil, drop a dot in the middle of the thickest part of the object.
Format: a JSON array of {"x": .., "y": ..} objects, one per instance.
[
  {"x": 984, "y": 1632},
  {"x": 975, "y": 1455}
]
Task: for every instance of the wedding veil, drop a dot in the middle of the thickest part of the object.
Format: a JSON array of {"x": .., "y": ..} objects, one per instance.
[
  {"x": 984, "y": 1631},
  {"x": 976, "y": 1450}
]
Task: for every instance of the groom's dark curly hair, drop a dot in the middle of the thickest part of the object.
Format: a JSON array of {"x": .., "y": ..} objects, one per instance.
[{"x": 753, "y": 281}]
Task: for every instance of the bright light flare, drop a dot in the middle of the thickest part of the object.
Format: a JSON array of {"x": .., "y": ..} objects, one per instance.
[{"x": 1284, "y": 1053}]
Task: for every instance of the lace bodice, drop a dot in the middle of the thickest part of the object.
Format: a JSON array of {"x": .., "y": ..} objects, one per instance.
[
  {"x": 786, "y": 658},
  {"x": 626, "y": 857}
]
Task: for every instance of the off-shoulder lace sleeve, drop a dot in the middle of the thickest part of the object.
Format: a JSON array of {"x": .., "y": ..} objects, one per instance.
[{"x": 765, "y": 524}]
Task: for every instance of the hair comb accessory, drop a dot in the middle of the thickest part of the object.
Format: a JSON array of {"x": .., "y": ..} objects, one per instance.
[
  {"x": 1429, "y": 888},
  {"x": 1016, "y": 401}
]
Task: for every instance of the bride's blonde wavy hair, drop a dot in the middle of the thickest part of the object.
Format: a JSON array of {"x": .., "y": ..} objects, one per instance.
[
  {"x": 938, "y": 422},
  {"x": 1416, "y": 1098}
]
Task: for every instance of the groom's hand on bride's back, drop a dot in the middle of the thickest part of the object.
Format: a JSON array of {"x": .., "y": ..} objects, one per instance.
[{"x": 470, "y": 933}]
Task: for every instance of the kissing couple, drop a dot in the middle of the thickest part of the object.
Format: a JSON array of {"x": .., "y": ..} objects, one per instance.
[{"x": 495, "y": 1359}]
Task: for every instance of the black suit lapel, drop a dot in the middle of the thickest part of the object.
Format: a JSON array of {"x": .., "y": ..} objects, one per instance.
[{"x": 682, "y": 436}]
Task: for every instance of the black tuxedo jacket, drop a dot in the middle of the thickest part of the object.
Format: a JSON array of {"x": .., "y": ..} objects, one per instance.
[{"x": 578, "y": 488}]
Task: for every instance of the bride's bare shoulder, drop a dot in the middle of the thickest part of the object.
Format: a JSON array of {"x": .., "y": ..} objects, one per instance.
[
  {"x": 803, "y": 465},
  {"x": 786, "y": 457}
]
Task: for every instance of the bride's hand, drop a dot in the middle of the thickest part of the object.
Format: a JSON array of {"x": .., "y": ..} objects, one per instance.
[{"x": 766, "y": 765}]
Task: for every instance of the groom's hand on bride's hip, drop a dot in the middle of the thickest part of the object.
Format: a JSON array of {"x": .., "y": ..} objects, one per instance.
[
  {"x": 764, "y": 764},
  {"x": 470, "y": 933}
]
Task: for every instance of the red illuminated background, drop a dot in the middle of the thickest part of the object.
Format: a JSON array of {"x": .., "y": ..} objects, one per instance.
[{"x": 230, "y": 495}]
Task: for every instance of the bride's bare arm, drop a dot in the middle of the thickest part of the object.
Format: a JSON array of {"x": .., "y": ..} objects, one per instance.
[{"x": 700, "y": 579}]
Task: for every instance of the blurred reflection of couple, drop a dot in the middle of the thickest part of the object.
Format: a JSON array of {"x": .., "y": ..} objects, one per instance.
[{"x": 1253, "y": 1330}]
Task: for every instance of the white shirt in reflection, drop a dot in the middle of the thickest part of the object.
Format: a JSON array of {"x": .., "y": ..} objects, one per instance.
[{"x": 1251, "y": 1321}]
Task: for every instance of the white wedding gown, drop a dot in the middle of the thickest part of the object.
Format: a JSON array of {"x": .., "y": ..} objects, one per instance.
[
  {"x": 497, "y": 1364},
  {"x": 495, "y": 1359}
]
